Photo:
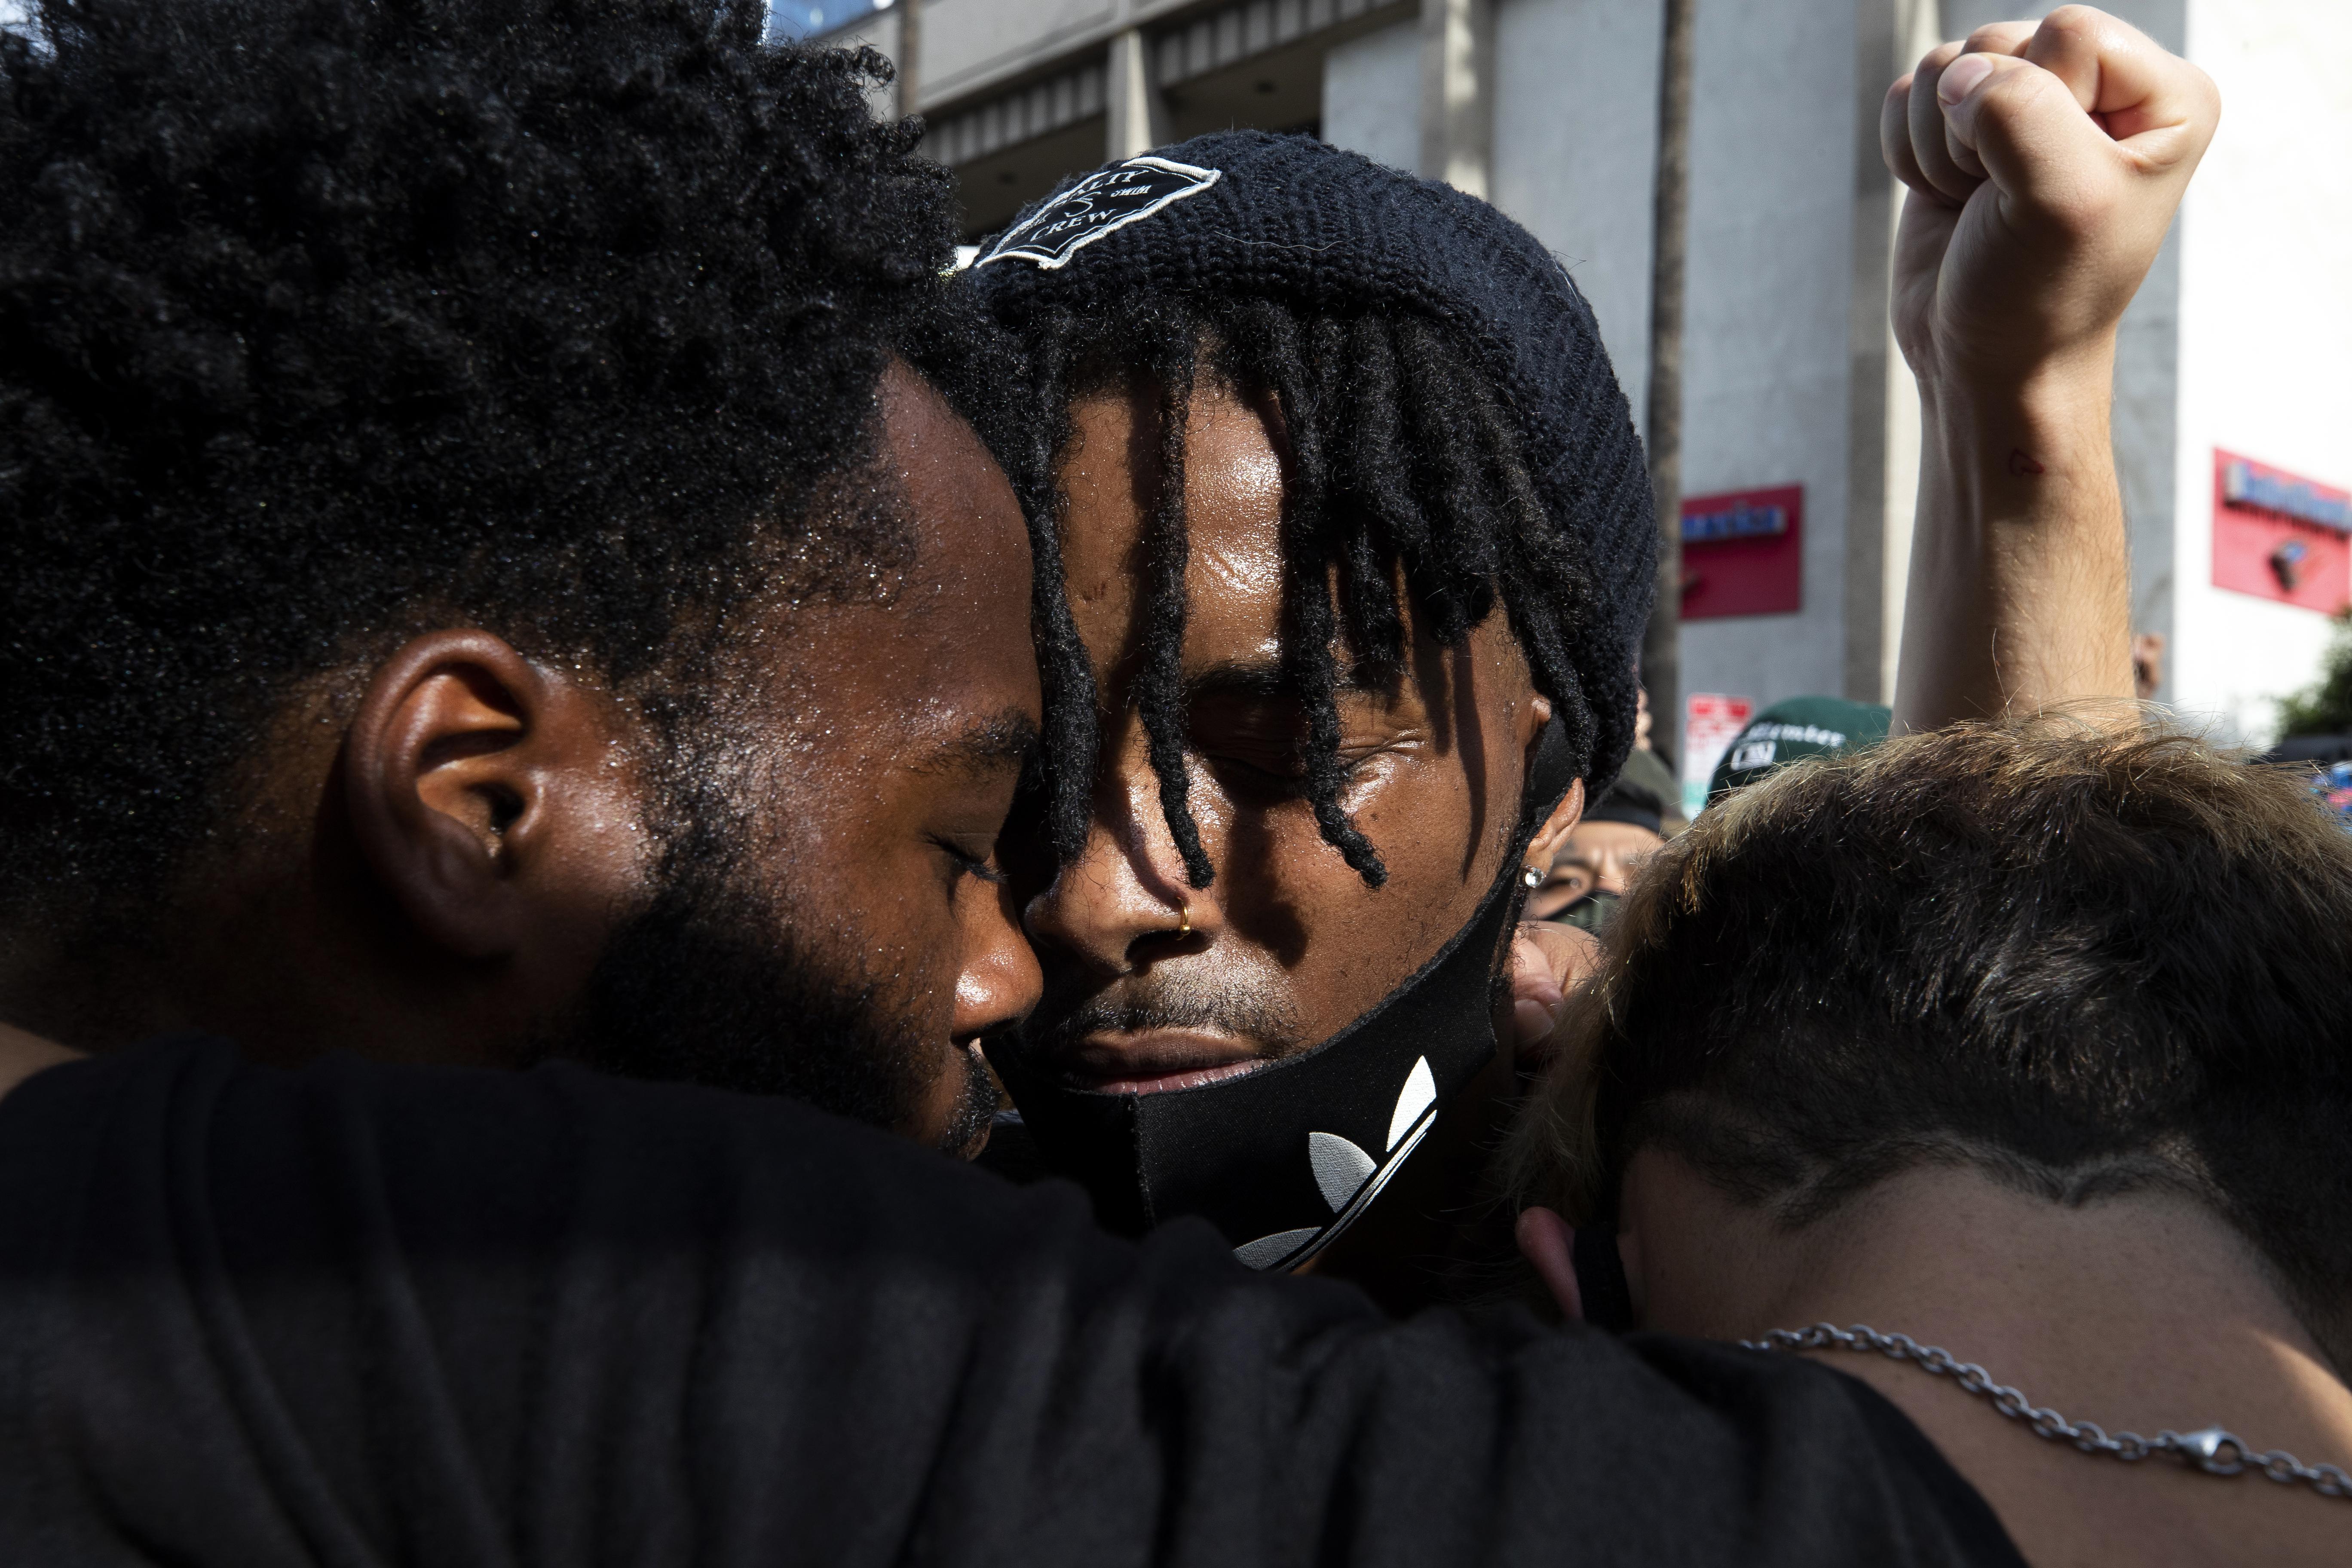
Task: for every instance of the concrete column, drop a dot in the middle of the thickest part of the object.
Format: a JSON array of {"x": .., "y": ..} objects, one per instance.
[
  {"x": 1457, "y": 109},
  {"x": 1883, "y": 400},
  {"x": 1136, "y": 115},
  {"x": 907, "y": 55}
]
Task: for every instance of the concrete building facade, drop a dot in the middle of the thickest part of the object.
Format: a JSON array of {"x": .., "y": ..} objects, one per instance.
[{"x": 2236, "y": 350}]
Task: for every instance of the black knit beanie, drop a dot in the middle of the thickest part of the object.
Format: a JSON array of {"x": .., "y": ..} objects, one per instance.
[{"x": 1246, "y": 212}]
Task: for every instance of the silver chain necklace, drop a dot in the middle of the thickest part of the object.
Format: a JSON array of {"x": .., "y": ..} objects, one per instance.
[{"x": 2212, "y": 1450}]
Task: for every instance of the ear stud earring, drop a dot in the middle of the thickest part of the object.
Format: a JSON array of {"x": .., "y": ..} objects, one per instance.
[{"x": 1532, "y": 876}]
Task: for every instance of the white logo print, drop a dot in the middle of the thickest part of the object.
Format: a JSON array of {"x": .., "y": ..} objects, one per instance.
[{"x": 1347, "y": 1177}]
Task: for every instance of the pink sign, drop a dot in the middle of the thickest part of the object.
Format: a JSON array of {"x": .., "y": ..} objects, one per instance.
[{"x": 2280, "y": 536}]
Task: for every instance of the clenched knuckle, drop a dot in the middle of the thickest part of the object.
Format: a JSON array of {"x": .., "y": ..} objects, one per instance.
[{"x": 2074, "y": 19}]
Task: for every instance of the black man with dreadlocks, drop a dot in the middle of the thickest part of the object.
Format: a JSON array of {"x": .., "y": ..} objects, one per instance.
[
  {"x": 1358, "y": 538},
  {"x": 1357, "y": 544}
]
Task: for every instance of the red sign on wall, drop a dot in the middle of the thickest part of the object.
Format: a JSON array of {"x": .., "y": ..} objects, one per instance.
[
  {"x": 2280, "y": 536},
  {"x": 1743, "y": 554}
]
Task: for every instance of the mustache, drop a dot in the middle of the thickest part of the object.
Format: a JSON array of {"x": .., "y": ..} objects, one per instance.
[
  {"x": 967, "y": 1135},
  {"x": 1153, "y": 1001}
]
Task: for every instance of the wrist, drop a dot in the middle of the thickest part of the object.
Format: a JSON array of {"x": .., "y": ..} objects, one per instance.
[
  {"x": 2050, "y": 420},
  {"x": 1983, "y": 360}
]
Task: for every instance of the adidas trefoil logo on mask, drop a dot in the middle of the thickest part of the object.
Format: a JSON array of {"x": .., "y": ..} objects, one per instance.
[
  {"x": 1350, "y": 1178},
  {"x": 1356, "y": 1106}
]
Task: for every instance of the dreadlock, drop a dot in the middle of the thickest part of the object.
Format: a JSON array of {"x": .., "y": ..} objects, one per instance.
[{"x": 1404, "y": 462}]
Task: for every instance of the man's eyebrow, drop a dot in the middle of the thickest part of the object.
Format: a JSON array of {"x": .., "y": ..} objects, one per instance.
[
  {"x": 1007, "y": 738},
  {"x": 1263, "y": 678}
]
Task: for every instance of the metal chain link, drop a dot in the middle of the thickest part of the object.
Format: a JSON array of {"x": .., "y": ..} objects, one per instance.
[{"x": 2212, "y": 1450}]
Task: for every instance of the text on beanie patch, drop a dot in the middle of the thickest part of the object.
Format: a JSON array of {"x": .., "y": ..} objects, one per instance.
[{"x": 1104, "y": 201}]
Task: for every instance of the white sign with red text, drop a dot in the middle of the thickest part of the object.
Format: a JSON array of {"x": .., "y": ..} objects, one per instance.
[{"x": 1711, "y": 721}]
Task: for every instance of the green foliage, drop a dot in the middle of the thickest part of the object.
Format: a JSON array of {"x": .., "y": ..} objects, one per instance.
[{"x": 2325, "y": 706}]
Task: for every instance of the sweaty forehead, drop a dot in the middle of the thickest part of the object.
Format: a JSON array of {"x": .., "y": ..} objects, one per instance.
[
  {"x": 1233, "y": 502},
  {"x": 947, "y": 639}
]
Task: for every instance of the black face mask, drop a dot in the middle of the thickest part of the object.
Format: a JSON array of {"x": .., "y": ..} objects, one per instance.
[
  {"x": 1590, "y": 912},
  {"x": 1284, "y": 1159}
]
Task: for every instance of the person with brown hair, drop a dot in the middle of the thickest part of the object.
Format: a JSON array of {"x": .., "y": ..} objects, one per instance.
[{"x": 2032, "y": 1041}]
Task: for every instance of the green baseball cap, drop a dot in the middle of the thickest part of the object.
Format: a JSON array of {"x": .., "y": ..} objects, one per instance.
[{"x": 1800, "y": 727}]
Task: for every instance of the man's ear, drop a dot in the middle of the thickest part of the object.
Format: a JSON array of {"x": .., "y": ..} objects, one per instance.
[
  {"x": 1546, "y": 844},
  {"x": 459, "y": 772}
]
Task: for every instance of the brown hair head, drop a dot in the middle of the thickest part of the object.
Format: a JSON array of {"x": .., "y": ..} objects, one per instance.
[{"x": 2081, "y": 959}]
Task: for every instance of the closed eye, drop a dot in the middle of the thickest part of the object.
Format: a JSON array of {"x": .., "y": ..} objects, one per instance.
[
  {"x": 979, "y": 866},
  {"x": 1283, "y": 764}
]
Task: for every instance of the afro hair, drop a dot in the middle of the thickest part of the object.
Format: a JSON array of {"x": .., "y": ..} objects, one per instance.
[{"x": 319, "y": 315}]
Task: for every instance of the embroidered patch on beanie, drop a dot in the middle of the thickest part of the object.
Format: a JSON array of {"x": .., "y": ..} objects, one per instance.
[{"x": 1103, "y": 203}]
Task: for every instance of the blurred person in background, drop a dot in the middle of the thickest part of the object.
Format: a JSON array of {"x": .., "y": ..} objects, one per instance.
[
  {"x": 1606, "y": 850},
  {"x": 1645, "y": 769},
  {"x": 2148, "y": 664},
  {"x": 1800, "y": 727}
]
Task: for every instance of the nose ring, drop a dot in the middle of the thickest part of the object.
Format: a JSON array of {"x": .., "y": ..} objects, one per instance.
[{"x": 1186, "y": 911}]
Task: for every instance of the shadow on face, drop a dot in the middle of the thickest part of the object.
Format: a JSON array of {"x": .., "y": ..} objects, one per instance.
[{"x": 1152, "y": 984}]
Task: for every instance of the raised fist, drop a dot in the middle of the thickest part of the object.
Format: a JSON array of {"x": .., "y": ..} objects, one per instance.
[{"x": 2046, "y": 163}]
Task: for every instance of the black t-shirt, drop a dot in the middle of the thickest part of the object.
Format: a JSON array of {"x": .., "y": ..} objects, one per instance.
[{"x": 368, "y": 1315}]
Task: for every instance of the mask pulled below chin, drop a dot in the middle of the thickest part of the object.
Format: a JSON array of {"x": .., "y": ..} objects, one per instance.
[
  {"x": 1592, "y": 912},
  {"x": 1284, "y": 1159}
]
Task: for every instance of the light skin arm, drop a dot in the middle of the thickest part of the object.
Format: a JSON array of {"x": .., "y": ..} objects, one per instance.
[{"x": 2045, "y": 163}]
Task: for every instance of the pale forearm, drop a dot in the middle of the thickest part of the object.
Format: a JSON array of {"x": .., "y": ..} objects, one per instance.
[
  {"x": 2019, "y": 595},
  {"x": 2044, "y": 162}
]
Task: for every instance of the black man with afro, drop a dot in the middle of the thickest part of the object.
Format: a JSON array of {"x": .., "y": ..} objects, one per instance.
[{"x": 483, "y": 481}]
